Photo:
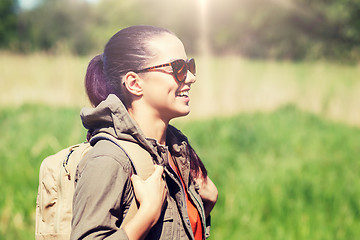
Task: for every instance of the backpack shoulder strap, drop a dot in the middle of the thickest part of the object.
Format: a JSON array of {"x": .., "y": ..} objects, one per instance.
[{"x": 140, "y": 159}]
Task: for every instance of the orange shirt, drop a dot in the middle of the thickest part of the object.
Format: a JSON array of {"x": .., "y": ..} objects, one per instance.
[{"x": 193, "y": 213}]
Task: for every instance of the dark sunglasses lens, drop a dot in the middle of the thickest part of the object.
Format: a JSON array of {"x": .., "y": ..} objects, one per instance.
[
  {"x": 192, "y": 66},
  {"x": 179, "y": 69}
]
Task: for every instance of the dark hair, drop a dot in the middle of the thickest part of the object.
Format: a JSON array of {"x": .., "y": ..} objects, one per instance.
[
  {"x": 126, "y": 51},
  {"x": 197, "y": 167}
]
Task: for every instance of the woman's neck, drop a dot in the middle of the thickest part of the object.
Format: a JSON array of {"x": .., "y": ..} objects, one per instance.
[{"x": 151, "y": 125}]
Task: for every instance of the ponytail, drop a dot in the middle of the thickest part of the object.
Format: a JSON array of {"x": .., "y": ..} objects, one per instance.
[{"x": 95, "y": 83}]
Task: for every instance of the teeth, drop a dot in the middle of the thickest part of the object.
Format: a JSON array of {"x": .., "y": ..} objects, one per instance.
[{"x": 183, "y": 93}]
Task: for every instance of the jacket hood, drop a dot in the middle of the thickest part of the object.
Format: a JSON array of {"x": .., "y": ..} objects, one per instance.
[{"x": 111, "y": 117}]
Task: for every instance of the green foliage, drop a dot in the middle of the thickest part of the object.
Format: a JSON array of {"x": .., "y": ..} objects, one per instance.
[
  {"x": 54, "y": 26},
  {"x": 281, "y": 175},
  {"x": 295, "y": 29},
  {"x": 8, "y": 22}
]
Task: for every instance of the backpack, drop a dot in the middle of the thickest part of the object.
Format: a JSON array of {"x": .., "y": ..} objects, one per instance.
[{"x": 56, "y": 185}]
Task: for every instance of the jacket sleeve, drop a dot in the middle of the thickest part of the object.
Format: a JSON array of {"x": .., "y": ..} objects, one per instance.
[{"x": 102, "y": 189}]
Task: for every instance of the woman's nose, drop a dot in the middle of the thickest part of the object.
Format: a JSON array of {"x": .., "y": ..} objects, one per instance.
[{"x": 190, "y": 78}]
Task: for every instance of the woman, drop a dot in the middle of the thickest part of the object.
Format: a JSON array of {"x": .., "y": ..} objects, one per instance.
[{"x": 141, "y": 82}]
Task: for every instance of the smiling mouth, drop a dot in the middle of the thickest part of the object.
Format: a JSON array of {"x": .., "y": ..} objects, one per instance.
[{"x": 183, "y": 93}]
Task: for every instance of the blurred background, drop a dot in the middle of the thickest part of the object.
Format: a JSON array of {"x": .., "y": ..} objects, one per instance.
[
  {"x": 252, "y": 55},
  {"x": 275, "y": 109}
]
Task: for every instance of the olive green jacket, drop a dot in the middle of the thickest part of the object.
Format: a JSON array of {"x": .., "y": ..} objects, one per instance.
[{"x": 103, "y": 190}]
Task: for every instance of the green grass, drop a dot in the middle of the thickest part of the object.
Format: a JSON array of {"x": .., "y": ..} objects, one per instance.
[{"x": 281, "y": 175}]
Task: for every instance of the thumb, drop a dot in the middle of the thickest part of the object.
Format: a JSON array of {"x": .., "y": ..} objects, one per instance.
[
  {"x": 135, "y": 179},
  {"x": 158, "y": 170}
]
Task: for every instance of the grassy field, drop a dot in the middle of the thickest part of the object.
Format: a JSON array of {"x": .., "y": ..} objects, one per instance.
[
  {"x": 225, "y": 86},
  {"x": 284, "y": 175},
  {"x": 281, "y": 141},
  {"x": 281, "y": 175}
]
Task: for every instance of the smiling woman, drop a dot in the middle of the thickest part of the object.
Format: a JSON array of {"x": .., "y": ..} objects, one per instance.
[
  {"x": 170, "y": 100},
  {"x": 137, "y": 86}
]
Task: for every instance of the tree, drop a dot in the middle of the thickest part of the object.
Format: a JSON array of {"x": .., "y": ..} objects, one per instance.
[
  {"x": 8, "y": 22},
  {"x": 56, "y": 25},
  {"x": 276, "y": 29}
]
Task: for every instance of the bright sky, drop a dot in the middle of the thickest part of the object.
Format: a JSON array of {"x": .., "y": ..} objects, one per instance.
[{"x": 28, "y": 4}]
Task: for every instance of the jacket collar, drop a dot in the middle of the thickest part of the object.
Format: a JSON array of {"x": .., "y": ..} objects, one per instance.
[
  {"x": 111, "y": 117},
  {"x": 177, "y": 143}
]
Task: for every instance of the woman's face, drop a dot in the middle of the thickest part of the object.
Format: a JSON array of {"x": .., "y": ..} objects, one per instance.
[{"x": 165, "y": 96}]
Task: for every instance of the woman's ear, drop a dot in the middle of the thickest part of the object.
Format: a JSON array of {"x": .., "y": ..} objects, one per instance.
[{"x": 132, "y": 83}]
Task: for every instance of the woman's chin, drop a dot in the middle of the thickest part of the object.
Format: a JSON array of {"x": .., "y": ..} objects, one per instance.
[
  {"x": 182, "y": 113},
  {"x": 185, "y": 113}
]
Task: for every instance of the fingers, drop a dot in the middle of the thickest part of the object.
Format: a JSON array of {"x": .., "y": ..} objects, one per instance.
[
  {"x": 199, "y": 180},
  {"x": 135, "y": 177},
  {"x": 136, "y": 180},
  {"x": 151, "y": 191},
  {"x": 158, "y": 174}
]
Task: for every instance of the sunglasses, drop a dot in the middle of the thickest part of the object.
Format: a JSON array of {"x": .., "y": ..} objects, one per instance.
[{"x": 179, "y": 68}]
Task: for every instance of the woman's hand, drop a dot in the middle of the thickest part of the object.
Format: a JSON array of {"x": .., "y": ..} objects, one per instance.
[
  {"x": 150, "y": 194},
  {"x": 208, "y": 193}
]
